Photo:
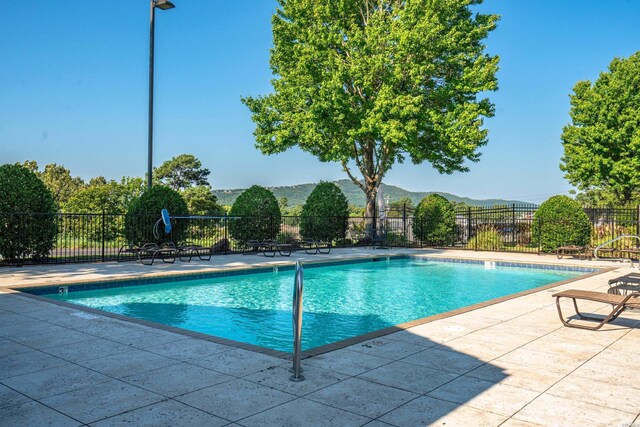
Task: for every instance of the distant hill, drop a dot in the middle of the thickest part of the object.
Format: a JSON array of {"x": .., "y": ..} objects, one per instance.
[{"x": 297, "y": 194}]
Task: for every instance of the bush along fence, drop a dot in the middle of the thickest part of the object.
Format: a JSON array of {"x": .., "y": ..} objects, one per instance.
[{"x": 33, "y": 238}]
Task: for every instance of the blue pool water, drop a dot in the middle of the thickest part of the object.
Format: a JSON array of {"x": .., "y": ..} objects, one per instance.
[{"x": 340, "y": 301}]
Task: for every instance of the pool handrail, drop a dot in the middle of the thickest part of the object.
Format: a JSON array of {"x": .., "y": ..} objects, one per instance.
[
  {"x": 298, "y": 288},
  {"x": 608, "y": 242}
]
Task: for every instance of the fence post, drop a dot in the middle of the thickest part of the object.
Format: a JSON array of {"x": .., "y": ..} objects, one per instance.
[
  {"x": 513, "y": 225},
  {"x": 345, "y": 224},
  {"x": 19, "y": 246},
  {"x": 468, "y": 224},
  {"x": 103, "y": 234},
  {"x": 638, "y": 222},
  {"x": 539, "y": 234}
]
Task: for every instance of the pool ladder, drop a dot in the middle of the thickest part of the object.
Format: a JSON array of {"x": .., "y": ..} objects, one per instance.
[{"x": 298, "y": 288}]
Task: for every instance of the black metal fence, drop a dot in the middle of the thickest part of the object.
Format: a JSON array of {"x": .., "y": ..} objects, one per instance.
[{"x": 99, "y": 237}]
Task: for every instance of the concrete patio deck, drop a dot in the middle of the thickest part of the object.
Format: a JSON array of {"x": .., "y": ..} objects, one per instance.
[{"x": 509, "y": 364}]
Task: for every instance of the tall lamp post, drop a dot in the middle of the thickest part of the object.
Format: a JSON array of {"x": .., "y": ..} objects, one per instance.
[{"x": 164, "y": 5}]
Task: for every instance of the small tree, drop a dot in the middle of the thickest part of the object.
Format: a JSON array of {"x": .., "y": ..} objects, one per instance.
[
  {"x": 434, "y": 220},
  {"x": 325, "y": 213},
  {"x": 182, "y": 172},
  {"x": 28, "y": 226},
  {"x": 258, "y": 215},
  {"x": 561, "y": 221},
  {"x": 144, "y": 212}
]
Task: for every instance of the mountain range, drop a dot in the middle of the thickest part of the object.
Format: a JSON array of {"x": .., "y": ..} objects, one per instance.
[{"x": 297, "y": 194}]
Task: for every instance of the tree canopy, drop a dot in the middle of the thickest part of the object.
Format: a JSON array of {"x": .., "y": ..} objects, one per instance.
[
  {"x": 602, "y": 143},
  {"x": 368, "y": 82},
  {"x": 182, "y": 172}
]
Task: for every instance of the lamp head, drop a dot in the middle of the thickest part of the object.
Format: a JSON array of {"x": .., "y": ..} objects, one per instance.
[{"x": 163, "y": 4}]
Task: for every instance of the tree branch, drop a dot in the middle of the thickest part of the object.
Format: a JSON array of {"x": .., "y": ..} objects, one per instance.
[{"x": 353, "y": 178}]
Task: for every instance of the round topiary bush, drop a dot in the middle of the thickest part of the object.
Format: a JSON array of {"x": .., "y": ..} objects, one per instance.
[
  {"x": 325, "y": 213},
  {"x": 434, "y": 221},
  {"x": 258, "y": 215},
  {"x": 28, "y": 226},
  {"x": 145, "y": 210},
  {"x": 561, "y": 221}
]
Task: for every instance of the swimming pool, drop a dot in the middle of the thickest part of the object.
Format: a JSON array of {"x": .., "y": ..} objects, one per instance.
[{"x": 340, "y": 300}]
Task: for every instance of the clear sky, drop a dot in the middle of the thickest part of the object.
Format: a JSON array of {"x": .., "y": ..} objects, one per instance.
[{"x": 73, "y": 90}]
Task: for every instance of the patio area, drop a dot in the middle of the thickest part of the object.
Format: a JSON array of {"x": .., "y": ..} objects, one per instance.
[{"x": 509, "y": 364}]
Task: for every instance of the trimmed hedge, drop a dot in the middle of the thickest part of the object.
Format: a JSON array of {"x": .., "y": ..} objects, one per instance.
[
  {"x": 144, "y": 212},
  {"x": 561, "y": 221},
  {"x": 434, "y": 221},
  {"x": 325, "y": 213},
  {"x": 33, "y": 234},
  {"x": 258, "y": 215}
]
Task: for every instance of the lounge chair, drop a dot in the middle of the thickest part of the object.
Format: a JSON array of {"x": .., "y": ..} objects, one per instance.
[
  {"x": 187, "y": 251},
  {"x": 582, "y": 252},
  {"x": 633, "y": 253},
  {"x": 623, "y": 285},
  {"x": 270, "y": 247},
  {"x": 620, "y": 303},
  {"x": 252, "y": 247},
  {"x": 150, "y": 251},
  {"x": 313, "y": 246}
]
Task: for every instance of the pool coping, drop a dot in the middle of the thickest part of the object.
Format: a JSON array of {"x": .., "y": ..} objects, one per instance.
[{"x": 21, "y": 289}]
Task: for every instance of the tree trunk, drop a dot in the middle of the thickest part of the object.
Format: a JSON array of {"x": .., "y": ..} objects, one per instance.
[{"x": 370, "y": 211}]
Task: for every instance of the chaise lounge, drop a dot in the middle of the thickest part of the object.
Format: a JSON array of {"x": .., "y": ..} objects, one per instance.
[{"x": 620, "y": 303}]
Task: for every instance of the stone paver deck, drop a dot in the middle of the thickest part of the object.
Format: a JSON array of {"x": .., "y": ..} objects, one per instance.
[{"x": 510, "y": 364}]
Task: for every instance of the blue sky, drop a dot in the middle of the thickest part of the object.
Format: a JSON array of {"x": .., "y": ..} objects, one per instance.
[{"x": 73, "y": 90}]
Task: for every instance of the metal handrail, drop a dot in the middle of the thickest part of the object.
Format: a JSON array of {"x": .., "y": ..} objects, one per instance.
[
  {"x": 298, "y": 288},
  {"x": 624, "y": 236}
]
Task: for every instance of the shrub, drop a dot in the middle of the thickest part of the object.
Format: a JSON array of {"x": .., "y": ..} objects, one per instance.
[
  {"x": 258, "y": 215},
  {"x": 33, "y": 232},
  {"x": 434, "y": 220},
  {"x": 325, "y": 213},
  {"x": 144, "y": 212},
  {"x": 561, "y": 221},
  {"x": 487, "y": 239}
]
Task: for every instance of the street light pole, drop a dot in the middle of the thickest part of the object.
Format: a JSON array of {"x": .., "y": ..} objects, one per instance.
[{"x": 164, "y": 5}]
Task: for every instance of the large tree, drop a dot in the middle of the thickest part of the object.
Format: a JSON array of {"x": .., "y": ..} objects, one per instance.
[
  {"x": 368, "y": 82},
  {"x": 602, "y": 143},
  {"x": 182, "y": 172}
]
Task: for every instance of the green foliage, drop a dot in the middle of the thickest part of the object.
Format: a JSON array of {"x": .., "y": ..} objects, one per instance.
[
  {"x": 356, "y": 211},
  {"x": 561, "y": 221},
  {"x": 397, "y": 208},
  {"x": 434, "y": 221},
  {"x": 31, "y": 235},
  {"x": 372, "y": 82},
  {"x": 486, "y": 239},
  {"x": 182, "y": 172},
  {"x": 601, "y": 144},
  {"x": 132, "y": 188},
  {"x": 58, "y": 179},
  {"x": 201, "y": 201},
  {"x": 107, "y": 198},
  {"x": 259, "y": 215},
  {"x": 325, "y": 213},
  {"x": 97, "y": 181},
  {"x": 145, "y": 211}
]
